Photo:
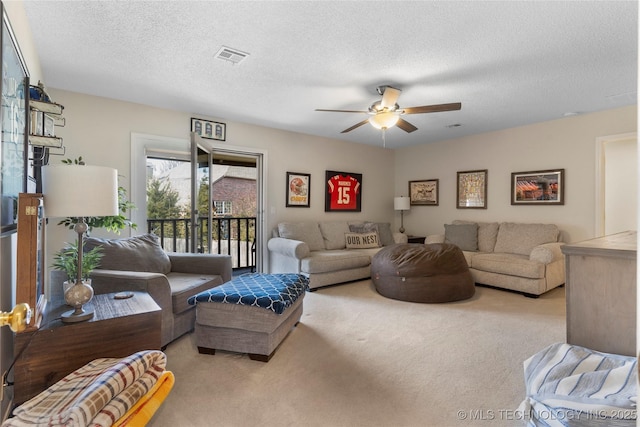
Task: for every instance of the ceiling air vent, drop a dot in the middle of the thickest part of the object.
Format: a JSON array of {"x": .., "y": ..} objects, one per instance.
[{"x": 232, "y": 55}]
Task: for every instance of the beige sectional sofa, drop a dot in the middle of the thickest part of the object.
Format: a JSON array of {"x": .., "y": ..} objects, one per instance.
[
  {"x": 516, "y": 256},
  {"x": 328, "y": 252}
]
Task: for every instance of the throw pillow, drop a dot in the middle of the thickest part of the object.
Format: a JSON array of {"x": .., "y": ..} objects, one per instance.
[
  {"x": 139, "y": 253},
  {"x": 363, "y": 227},
  {"x": 465, "y": 236},
  {"x": 385, "y": 233},
  {"x": 487, "y": 234},
  {"x": 362, "y": 240}
]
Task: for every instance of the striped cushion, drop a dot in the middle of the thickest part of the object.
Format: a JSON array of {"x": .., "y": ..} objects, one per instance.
[{"x": 571, "y": 385}]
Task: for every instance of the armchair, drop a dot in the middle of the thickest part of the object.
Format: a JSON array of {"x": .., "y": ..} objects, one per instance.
[{"x": 140, "y": 264}]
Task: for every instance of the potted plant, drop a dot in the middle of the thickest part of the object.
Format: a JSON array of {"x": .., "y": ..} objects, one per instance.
[{"x": 66, "y": 259}]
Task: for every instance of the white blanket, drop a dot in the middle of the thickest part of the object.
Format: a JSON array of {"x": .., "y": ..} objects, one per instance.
[{"x": 568, "y": 385}]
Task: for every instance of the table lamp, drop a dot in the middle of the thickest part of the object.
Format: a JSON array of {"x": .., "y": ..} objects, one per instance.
[
  {"x": 79, "y": 191},
  {"x": 401, "y": 204}
]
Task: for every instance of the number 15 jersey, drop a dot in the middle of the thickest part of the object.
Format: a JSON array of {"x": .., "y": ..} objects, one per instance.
[{"x": 343, "y": 191}]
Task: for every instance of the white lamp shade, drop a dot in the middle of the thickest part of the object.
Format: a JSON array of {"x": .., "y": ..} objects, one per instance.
[
  {"x": 401, "y": 203},
  {"x": 384, "y": 120},
  {"x": 79, "y": 191}
]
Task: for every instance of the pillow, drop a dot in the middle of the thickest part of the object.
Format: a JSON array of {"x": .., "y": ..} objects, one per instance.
[
  {"x": 487, "y": 234},
  {"x": 362, "y": 240},
  {"x": 385, "y": 234},
  {"x": 363, "y": 227},
  {"x": 307, "y": 232},
  {"x": 138, "y": 253},
  {"x": 465, "y": 236}
]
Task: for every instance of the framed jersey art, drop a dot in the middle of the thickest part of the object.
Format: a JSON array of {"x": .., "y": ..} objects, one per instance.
[{"x": 344, "y": 192}]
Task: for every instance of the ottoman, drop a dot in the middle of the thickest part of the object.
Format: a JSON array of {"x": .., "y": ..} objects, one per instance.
[
  {"x": 252, "y": 313},
  {"x": 430, "y": 273}
]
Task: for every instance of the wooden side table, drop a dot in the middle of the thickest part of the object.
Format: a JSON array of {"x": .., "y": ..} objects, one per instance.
[
  {"x": 119, "y": 328},
  {"x": 415, "y": 239}
]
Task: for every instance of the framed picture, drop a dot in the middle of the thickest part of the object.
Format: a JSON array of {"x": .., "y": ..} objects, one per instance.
[
  {"x": 538, "y": 187},
  {"x": 14, "y": 112},
  {"x": 472, "y": 190},
  {"x": 343, "y": 192},
  {"x": 298, "y": 190},
  {"x": 423, "y": 193},
  {"x": 208, "y": 129}
]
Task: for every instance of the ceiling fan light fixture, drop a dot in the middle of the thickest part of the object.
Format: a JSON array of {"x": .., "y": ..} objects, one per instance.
[{"x": 384, "y": 120}]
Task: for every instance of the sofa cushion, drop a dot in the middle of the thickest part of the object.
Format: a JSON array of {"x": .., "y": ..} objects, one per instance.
[
  {"x": 329, "y": 261},
  {"x": 185, "y": 285},
  {"x": 362, "y": 240},
  {"x": 508, "y": 264},
  {"x": 333, "y": 234},
  {"x": 138, "y": 253},
  {"x": 519, "y": 238},
  {"x": 308, "y": 232},
  {"x": 464, "y": 236},
  {"x": 487, "y": 234}
]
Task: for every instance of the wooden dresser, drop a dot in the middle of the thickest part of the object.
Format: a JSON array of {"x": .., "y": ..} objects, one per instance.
[{"x": 601, "y": 293}]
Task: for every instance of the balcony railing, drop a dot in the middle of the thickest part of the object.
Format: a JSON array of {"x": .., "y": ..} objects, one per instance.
[{"x": 230, "y": 236}]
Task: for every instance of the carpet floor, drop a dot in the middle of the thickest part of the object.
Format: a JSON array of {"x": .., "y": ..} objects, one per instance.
[{"x": 359, "y": 359}]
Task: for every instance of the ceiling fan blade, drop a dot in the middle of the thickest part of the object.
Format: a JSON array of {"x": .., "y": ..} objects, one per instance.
[
  {"x": 390, "y": 97},
  {"x": 433, "y": 108},
  {"x": 406, "y": 126},
  {"x": 365, "y": 121},
  {"x": 342, "y": 111}
]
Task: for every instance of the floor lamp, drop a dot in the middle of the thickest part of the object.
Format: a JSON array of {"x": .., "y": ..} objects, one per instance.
[
  {"x": 401, "y": 204},
  {"x": 79, "y": 191}
]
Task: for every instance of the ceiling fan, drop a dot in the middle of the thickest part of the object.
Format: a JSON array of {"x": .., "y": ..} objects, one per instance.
[{"x": 386, "y": 112}]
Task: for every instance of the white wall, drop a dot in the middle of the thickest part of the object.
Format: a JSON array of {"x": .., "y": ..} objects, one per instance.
[
  {"x": 568, "y": 143},
  {"x": 99, "y": 130}
]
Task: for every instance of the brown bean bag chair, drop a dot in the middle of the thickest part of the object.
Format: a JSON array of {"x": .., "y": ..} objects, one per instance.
[{"x": 428, "y": 273}]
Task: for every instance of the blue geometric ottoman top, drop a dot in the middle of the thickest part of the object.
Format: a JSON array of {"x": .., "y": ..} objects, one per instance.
[{"x": 274, "y": 292}]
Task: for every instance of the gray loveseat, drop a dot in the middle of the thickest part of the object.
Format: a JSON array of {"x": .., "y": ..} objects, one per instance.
[
  {"x": 140, "y": 264},
  {"x": 328, "y": 252},
  {"x": 521, "y": 257}
]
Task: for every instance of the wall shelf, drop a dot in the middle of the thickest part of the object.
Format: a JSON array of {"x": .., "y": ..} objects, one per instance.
[
  {"x": 46, "y": 107},
  {"x": 45, "y": 141}
]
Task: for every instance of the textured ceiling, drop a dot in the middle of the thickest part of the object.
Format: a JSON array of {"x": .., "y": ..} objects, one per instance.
[{"x": 509, "y": 63}]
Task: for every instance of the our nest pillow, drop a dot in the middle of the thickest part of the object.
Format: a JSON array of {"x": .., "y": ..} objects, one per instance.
[{"x": 362, "y": 240}]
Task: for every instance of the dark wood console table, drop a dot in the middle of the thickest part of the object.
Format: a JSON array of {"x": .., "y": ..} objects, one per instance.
[{"x": 119, "y": 327}]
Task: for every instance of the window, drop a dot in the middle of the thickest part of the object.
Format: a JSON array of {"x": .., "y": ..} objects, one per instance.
[{"x": 222, "y": 208}]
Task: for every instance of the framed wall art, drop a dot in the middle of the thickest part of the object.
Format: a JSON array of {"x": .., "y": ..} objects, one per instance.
[
  {"x": 472, "y": 190},
  {"x": 424, "y": 192},
  {"x": 208, "y": 129},
  {"x": 13, "y": 144},
  {"x": 544, "y": 187},
  {"x": 298, "y": 190},
  {"x": 343, "y": 192}
]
